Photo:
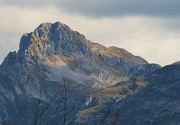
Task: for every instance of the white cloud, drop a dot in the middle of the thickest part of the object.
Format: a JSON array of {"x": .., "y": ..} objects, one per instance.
[
  {"x": 106, "y": 8},
  {"x": 155, "y": 39}
]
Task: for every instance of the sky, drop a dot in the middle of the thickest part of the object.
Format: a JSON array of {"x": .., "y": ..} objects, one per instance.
[{"x": 147, "y": 28}]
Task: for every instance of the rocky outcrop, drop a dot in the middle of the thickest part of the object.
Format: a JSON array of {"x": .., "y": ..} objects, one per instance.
[{"x": 54, "y": 53}]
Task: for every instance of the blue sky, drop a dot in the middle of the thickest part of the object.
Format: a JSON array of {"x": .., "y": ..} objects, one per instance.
[{"x": 147, "y": 28}]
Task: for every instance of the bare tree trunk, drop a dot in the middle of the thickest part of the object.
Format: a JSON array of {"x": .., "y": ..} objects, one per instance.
[
  {"x": 103, "y": 118},
  {"x": 37, "y": 109},
  {"x": 38, "y": 113},
  {"x": 64, "y": 97},
  {"x": 116, "y": 120}
]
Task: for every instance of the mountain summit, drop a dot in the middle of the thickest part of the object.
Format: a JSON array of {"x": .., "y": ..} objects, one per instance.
[
  {"x": 57, "y": 48},
  {"x": 52, "y": 55},
  {"x": 59, "y": 39}
]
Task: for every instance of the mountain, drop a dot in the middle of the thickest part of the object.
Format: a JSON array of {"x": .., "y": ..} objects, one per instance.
[
  {"x": 53, "y": 59},
  {"x": 152, "y": 99}
]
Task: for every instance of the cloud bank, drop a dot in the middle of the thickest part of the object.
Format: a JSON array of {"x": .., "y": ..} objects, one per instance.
[
  {"x": 149, "y": 29},
  {"x": 107, "y": 8}
]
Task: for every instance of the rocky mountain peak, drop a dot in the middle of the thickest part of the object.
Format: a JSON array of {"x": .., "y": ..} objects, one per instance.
[
  {"x": 47, "y": 39},
  {"x": 54, "y": 48},
  {"x": 53, "y": 57},
  {"x": 58, "y": 39}
]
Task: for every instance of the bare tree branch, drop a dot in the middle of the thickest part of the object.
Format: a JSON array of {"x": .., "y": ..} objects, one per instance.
[
  {"x": 103, "y": 119},
  {"x": 42, "y": 112},
  {"x": 37, "y": 109},
  {"x": 64, "y": 99},
  {"x": 39, "y": 115},
  {"x": 116, "y": 120}
]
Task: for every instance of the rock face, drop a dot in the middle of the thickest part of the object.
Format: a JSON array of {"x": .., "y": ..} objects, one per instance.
[
  {"x": 56, "y": 48},
  {"x": 54, "y": 54},
  {"x": 147, "y": 100}
]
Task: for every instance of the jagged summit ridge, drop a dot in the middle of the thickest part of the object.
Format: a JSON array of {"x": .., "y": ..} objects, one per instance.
[
  {"x": 47, "y": 39},
  {"x": 53, "y": 53},
  {"x": 58, "y": 30},
  {"x": 54, "y": 48},
  {"x": 57, "y": 38}
]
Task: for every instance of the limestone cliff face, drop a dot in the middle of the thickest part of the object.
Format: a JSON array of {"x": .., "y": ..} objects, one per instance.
[
  {"x": 54, "y": 51},
  {"x": 51, "y": 44}
]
